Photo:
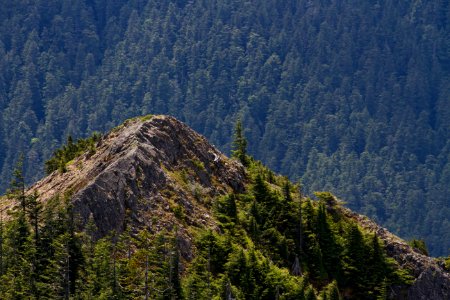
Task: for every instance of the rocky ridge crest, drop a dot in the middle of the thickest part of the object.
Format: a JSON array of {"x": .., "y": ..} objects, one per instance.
[
  {"x": 157, "y": 172},
  {"x": 431, "y": 281},
  {"x": 151, "y": 171}
]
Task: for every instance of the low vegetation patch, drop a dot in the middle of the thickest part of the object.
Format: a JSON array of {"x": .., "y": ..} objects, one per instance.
[{"x": 71, "y": 150}]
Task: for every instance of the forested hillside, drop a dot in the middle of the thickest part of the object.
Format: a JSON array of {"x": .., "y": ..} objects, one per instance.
[
  {"x": 348, "y": 96},
  {"x": 153, "y": 211}
]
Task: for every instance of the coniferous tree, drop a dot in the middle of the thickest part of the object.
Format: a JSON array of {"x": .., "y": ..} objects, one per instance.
[
  {"x": 328, "y": 245},
  {"x": 174, "y": 291},
  {"x": 310, "y": 295},
  {"x": 17, "y": 190},
  {"x": 240, "y": 144},
  {"x": 332, "y": 291},
  {"x": 355, "y": 260},
  {"x": 34, "y": 211}
]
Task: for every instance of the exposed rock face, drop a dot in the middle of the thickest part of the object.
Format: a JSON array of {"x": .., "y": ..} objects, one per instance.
[
  {"x": 432, "y": 282},
  {"x": 156, "y": 173},
  {"x": 159, "y": 173}
]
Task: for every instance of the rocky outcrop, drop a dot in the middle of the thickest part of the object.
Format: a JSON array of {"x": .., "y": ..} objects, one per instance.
[
  {"x": 431, "y": 281},
  {"x": 157, "y": 173}
]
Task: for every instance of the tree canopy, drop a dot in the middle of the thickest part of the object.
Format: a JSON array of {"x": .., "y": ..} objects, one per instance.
[{"x": 347, "y": 96}]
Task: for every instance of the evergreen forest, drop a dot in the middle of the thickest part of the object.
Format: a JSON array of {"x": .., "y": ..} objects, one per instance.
[
  {"x": 271, "y": 242},
  {"x": 347, "y": 96}
]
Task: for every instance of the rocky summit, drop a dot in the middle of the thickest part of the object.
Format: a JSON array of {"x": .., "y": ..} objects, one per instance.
[
  {"x": 141, "y": 172},
  {"x": 155, "y": 172}
]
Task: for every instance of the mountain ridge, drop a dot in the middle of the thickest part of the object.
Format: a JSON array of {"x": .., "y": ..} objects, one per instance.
[
  {"x": 155, "y": 172},
  {"x": 429, "y": 273},
  {"x": 350, "y": 97},
  {"x": 125, "y": 152}
]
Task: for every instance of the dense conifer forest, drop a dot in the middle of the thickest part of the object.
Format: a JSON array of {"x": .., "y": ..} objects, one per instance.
[
  {"x": 271, "y": 243},
  {"x": 346, "y": 96}
]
